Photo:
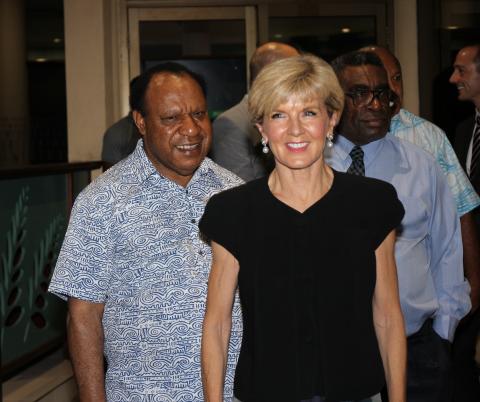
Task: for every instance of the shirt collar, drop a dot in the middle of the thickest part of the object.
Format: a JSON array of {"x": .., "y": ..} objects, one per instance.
[
  {"x": 343, "y": 147},
  {"x": 140, "y": 165}
]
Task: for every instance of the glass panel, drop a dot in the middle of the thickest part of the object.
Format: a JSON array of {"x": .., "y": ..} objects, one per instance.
[
  {"x": 32, "y": 221},
  {"x": 327, "y": 37},
  {"x": 33, "y": 217},
  {"x": 214, "y": 49}
]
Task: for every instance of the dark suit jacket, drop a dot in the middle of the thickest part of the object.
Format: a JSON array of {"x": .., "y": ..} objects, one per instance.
[
  {"x": 236, "y": 144},
  {"x": 463, "y": 135}
]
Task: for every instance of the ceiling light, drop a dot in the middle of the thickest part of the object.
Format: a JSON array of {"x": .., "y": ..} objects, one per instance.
[
  {"x": 40, "y": 59},
  {"x": 452, "y": 27},
  {"x": 57, "y": 40},
  {"x": 278, "y": 36},
  {"x": 345, "y": 30}
]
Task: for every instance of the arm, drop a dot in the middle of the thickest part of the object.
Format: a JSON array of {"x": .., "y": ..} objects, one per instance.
[
  {"x": 388, "y": 321},
  {"x": 466, "y": 200},
  {"x": 471, "y": 257},
  {"x": 217, "y": 323},
  {"x": 85, "y": 342},
  {"x": 446, "y": 259}
]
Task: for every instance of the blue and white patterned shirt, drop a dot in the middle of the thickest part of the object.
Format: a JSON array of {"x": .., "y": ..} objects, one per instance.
[
  {"x": 133, "y": 244},
  {"x": 432, "y": 139}
]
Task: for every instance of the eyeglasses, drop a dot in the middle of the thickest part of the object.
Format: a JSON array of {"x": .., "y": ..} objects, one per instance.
[{"x": 363, "y": 97}]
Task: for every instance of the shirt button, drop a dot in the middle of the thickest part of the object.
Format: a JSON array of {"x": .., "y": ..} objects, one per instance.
[{"x": 193, "y": 221}]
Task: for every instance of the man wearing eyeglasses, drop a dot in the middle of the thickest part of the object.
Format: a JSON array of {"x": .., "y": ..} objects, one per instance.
[{"x": 433, "y": 292}]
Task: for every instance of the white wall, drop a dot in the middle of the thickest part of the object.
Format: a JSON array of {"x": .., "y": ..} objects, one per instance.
[
  {"x": 85, "y": 65},
  {"x": 405, "y": 23}
]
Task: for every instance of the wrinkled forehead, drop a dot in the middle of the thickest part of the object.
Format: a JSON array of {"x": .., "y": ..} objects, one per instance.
[
  {"x": 167, "y": 90},
  {"x": 368, "y": 75},
  {"x": 179, "y": 84}
]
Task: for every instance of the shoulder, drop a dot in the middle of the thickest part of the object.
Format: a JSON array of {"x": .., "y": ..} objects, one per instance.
[
  {"x": 120, "y": 128},
  {"x": 108, "y": 188},
  {"x": 466, "y": 125},
  {"x": 235, "y": 116},
  {"x": 364, "y": 187},
  {"x": 225, "y": 177},
  {"x": 417, "y": 130},
  {"x": 372, "y": 199},
  {"x": 238, "y": 196}
]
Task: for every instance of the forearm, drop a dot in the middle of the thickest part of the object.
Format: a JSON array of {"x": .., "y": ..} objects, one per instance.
[
  {"x": 393, "y": 349},
  {"x": 85, "y": 341},
  {"x": 471, "y": 257},
  {"x": 388, "y": 321},
  {"x": 214, "y": 358}
]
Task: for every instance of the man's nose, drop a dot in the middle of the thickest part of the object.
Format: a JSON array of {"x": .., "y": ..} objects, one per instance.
[
  {"x": 453, "y": 78},
  {"x": 189, "y": 125},
  {"x": 375, "y": 104}
]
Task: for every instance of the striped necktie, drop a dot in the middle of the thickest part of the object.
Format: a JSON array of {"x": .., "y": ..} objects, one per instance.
[
  {"x": 358, "y": 166},
  {"x": 475, "y": 161}
]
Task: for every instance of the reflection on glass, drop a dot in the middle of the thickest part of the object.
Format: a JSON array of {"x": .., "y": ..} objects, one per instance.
[{"x": 215, "y": 49}]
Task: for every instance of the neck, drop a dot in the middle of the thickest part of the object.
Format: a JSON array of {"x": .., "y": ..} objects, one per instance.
[{"x": 303, "y": 187}]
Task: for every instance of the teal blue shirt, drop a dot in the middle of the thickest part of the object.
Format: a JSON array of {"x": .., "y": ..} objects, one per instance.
[{"x": 432, "y": 139}]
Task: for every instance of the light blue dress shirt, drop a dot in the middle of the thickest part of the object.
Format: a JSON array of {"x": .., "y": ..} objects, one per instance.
[
  {"x": 133, "y": 243},
  {"x": 428, "y": 250}
]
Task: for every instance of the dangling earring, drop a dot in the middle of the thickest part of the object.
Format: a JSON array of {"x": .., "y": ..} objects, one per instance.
[
  {"x": 265, "y": 147},
  {"x": 330, "y": 140}
]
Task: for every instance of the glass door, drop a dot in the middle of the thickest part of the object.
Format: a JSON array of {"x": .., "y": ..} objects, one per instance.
[{"x": 216, "y": 42}]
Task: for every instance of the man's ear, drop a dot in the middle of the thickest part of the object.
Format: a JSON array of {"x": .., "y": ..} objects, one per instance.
[{"x": 139, "y": 121}]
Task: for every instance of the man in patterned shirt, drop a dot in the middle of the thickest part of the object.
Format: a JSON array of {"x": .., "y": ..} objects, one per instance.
[{"x": 133, "y": 266}]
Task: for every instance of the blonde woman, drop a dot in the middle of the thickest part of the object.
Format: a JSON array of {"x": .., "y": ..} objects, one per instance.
[{"x": 311, "y": 250}]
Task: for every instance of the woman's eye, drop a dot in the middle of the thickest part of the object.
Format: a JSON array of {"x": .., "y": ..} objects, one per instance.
[
  {"x": 276, "y": 115},
  {"x": 310, "y": 113}
]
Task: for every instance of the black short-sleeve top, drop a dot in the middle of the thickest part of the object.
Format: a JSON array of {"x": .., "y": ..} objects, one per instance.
[{"x": 306, "y": 283}]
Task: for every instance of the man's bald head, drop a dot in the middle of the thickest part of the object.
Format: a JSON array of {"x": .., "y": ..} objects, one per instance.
[
  {"x": 268, "y": 53},
  {"x": 394, "y": 70}
]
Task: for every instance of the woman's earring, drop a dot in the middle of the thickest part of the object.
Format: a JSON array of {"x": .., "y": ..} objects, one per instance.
[
  {"x": 265, "y": 147},
  {"x": 330, "y": 140}
]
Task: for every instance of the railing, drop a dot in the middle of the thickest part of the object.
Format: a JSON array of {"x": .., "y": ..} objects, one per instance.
[{"x": 35, "y": 206}]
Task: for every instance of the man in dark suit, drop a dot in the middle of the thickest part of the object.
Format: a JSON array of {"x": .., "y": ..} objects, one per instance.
[{"x": 466, "y": 77}]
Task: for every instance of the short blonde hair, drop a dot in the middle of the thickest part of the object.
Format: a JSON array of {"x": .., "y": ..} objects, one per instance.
[{"x": 306, "y": 77}]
